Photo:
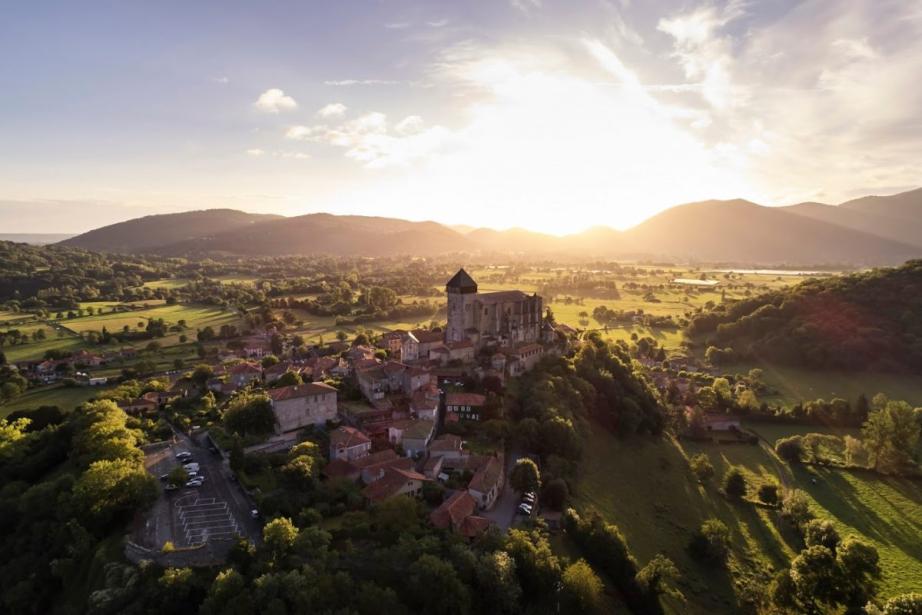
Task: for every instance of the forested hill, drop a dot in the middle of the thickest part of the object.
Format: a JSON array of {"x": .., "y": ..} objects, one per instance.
[
  {"x": 143, "y": 234},
  {"x": 866, "y": 321}
]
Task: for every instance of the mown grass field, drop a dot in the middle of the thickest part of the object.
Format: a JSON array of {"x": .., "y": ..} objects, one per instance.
[
  {"x": 794, "y": 385},
  {"x": 645, "y": 487},
  {"x": 65, "y": 398}
]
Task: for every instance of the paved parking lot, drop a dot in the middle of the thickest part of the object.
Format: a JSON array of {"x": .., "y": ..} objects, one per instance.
[
  {"x": 205, "y": 518},
  {"x": 193, "y": 515}
]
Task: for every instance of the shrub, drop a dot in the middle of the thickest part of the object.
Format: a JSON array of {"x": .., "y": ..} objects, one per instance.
[
  {"x": 821, "y": 532},
  {"x": 701, "y": 466},
  {"x": 790, "y": 449},
  {"x": 711, "y": 542},
  {"x": 796, "y": 509},
  {"x": 734, "y": 484},
  {"x": 768, "y": 494}
]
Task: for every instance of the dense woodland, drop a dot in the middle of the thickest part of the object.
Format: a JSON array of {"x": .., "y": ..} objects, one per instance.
[{"x": 867, "y": 321}]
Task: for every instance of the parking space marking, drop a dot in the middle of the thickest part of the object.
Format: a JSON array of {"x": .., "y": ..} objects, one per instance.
[{"x": 205, "y": 518}]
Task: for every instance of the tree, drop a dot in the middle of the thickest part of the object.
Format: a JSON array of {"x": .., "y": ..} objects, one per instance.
[
  {"x": 556, "y": 493},
  {"x": 891, "y": 435},
  {"x": 582, "y": 590},
  {"x": 499, "y": 587},
  {"x": 250, "y": 414},
  {"x": 701, "y": 466},
  {"x": 110, "y": 489},
  {"x": 178, "y": 476},
  {"x": 525, "y": 476},
  {"x": 906, "y": 604},
  {"x": 790, "y": 449},
  {"x": 795, "y": 507},
  {"x": 859, "y": 563},
  {"x": 711, "y": 542},
  {"x": 734, "y": 484},
  {"x": 768, "y": 494},
  {"x": 289, "y": 379},
  {"x": 202, "y": 374},
  {"x": 228, "y": 595},
  {"x": 436, "y": 588},
  {"x": 814, "y": 573},
  {"x": 279, "y": 535},
  {"x": 821, "y": 532},
  {"x": 659, "y": 577}
]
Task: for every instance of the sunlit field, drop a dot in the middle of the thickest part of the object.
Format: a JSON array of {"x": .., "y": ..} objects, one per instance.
[
  {"x": 65, "y": 398},
  {"x": 645, "y": 487}
]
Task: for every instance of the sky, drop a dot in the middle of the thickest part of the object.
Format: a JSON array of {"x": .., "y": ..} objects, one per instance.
[{"x": 550, "y": 115}]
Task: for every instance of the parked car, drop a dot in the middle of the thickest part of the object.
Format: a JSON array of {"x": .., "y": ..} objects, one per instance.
[
  {"x": 164, "y": 477},
  {"x": 254, "y": 514},
  {"x": 524, "y": 509},
  {"x": 191, "y": 467},
  {"x": 195, "y": 482},
  {"x": 170, "y": 487},
  {"x": 528, "y": 498},
  {"x": 184, "y": 456}
]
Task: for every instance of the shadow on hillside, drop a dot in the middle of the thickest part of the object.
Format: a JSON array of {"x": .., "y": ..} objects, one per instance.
[{"x": 837, "y": 495}]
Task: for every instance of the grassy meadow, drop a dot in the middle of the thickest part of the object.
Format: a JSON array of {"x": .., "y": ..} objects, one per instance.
[
  {"x": 65, "y": 398},
  {"x": 646, "y": 488}
]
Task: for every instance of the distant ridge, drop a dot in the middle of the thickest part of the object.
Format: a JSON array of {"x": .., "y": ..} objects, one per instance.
[
  {"x": 877, "y": 230},
  {"x": 36, "y": 239},
  {"x": 151, "y": 232}
]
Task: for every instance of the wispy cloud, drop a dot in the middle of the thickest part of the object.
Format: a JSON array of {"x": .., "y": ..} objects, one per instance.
[
  {"x": 255, "y": 152},
  {"x": 332, "y": 110},
  {"x": 525, "y": 5},
  {"x": 275, "y": 100}
]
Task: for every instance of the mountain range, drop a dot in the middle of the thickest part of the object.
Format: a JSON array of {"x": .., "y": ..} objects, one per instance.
[{"x": 873, "y": 230}]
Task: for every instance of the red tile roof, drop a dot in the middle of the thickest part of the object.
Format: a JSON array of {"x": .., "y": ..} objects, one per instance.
[
  {"x": 474, "y": 526},
  {"x": 454, "y": 510},
  {"x": 465, "y": 399},
  {"x": 346, "y": 437},
  {"x": 340, "y": 468},
  {"x": 488, "y": 476},
  {"x": 390, "y": 484},
  {"x": 448, "y": 442},
  {"x": 300, "y": 390}
]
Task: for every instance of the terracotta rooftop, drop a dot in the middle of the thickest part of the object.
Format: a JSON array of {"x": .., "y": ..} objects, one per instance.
[
  {"x": 454, "y": 510},
  {"x": 300, "y": 390},
  {"x": 488, "y": 475},
  {"x": 346, "y": 437},
  {"x": 390, "y": 484},
  {"x": 465, "y": 399},
  {"x": 340, "y": 468},
  {"x": 448, "y": 442}
]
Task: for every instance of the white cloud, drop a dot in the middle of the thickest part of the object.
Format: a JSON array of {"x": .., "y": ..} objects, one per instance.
[
  {"x": 332, "y": 110},
  {"x": 398, "y": 25},
  {"x": 255, "y": 152},
  {"x": 409, "y": 125},
  {"x": 438, "y": 23},
  {"x": 275, "y": 100},
  {"x": 704, "y": 52},
  {"x": 367, "y": 139},
  {"x": 222, "y": 80}
]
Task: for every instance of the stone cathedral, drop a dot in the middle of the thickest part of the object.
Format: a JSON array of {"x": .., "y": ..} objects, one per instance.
[{"x": 504, "y": 318}]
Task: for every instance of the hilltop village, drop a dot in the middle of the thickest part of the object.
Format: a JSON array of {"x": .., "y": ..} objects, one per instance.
[{"x": 393, "y": 412}]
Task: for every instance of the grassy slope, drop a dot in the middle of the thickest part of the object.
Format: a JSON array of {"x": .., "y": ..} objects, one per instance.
[
  {"x": 66, "y": 398},
  {"x": 645, "y": 488}
]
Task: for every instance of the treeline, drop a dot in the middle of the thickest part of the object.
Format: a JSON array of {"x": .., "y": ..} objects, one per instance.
[
  {"x": 866, "y": 321},
  {"x": 65, "y": 488}
]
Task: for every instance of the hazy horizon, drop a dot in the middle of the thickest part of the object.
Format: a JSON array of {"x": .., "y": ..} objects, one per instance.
[
  {"x": 509, "y": 114},
  {"x": 459, "y": 226}
]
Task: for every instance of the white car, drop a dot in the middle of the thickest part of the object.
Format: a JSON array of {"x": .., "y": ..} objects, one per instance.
[
  {"x": 525, "y": 509},
  {"x": 191, "y": 467},
  {"x": 183, "y": 455},
  {"x": 195, "y": 482}
]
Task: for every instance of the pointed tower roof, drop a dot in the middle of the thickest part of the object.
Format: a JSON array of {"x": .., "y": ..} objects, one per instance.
[{"x": 462, "y": 282}]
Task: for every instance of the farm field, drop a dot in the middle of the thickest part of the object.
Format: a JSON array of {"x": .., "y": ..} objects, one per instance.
[
  {"x": 795, "y": 385},
  {"x": 646, "y": 488},
  {"x": 66, "y": 398}
]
